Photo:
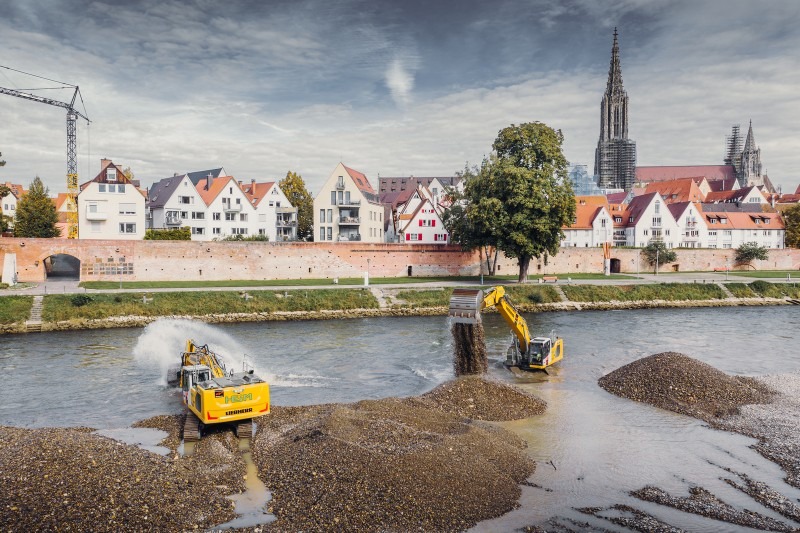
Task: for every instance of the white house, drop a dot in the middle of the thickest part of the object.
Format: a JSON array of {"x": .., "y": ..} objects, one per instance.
[
  {"x": 229, "y": 210},
  {"x": 111, "y": 206},
  {"x": 175, "y": 202},
  {"x": 275, "y": 216},
  {"x": 592, "y": 225},
  {"x": 692, "y": 230},
  {"x": 646, "y": 219},
  {"x": 418, "y": 220},
  {"x": 731, "y": 229},
  {"x": 8, "y": 203},
  {"x": 347, "y": 208}
]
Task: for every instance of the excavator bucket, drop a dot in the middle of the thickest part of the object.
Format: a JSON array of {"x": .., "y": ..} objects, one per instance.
[{"x": 465, "y": 306}]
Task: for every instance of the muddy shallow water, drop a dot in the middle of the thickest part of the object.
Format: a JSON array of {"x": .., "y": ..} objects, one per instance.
[{"x": 591, "y": 447}]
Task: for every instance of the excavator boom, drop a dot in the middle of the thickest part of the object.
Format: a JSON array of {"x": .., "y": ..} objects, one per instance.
[{"x": 466, "y": 306}]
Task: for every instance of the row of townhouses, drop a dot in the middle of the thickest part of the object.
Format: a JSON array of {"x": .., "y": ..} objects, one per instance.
[
  {"x": 681, "y": 213},
  {"x": 709, "y": 210}
]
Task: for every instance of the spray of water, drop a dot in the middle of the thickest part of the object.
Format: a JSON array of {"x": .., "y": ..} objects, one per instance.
[{"x": 162, "y": 342}]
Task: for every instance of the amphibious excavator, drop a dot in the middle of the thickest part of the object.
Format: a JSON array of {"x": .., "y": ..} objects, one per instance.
[
  {"x": 213, "y": 395},
  {"x": 526, "y": 353}
]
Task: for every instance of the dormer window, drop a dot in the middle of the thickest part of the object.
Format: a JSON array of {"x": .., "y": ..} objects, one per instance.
[{"x": 111, "y": 174}]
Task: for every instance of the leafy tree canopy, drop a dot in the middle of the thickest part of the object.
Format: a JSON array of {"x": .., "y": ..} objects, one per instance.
[
  {"x": 296, "y": 192},
  {"x": 656, "y": 253},
  {"x": 239, "y": 237},
  {"x": 749, "y": 252},
  {"x": 520, "y": 198},
  {"x": 2, "y": 164},
  {"x": 791, "y": 218},
  {"x": 36, "y": 214}
]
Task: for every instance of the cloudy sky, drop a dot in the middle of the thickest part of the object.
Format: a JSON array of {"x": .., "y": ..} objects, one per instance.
[{"x": 389, "y": 88}]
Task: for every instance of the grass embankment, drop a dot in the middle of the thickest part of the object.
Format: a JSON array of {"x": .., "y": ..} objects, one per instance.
[
  {"x": 97, "y": 306},
  {"x": 776, "y": 290},
  {"x": 741, "y": 290},
  {"x": 15, "y": 309},
  {"x": 636, "y": 293},
  {"x": 520, "y": 295}
]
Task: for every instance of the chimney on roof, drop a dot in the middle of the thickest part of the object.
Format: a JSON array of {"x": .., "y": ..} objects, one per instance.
[
  {"x": 208, "y": 181},
  {"x": 174, "y": 174},
  {"x": 104, "y": 162},
  {"x": 252, "y": 185}
]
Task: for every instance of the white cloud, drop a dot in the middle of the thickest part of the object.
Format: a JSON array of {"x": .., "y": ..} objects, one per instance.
[{"x": 400, "y": 81}]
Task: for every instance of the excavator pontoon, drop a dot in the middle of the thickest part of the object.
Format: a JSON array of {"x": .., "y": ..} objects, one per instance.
[
  {"x": 213, "y": 395},
  {"x": 526, "y": 353}
]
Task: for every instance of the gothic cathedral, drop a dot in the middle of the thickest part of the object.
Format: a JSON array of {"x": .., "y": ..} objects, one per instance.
[{"x": 615, "y": 157}]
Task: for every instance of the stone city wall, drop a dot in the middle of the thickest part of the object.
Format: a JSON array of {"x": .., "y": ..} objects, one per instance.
[{"x": 188, "y": 260}]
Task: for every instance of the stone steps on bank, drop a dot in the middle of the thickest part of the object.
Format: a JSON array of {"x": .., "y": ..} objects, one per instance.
[{"x": 34, "y": 322}]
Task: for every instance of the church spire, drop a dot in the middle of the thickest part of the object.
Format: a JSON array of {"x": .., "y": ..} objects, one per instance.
[
  {"x": 750, "y": 142},
  {"x": 614, "y": 84}
]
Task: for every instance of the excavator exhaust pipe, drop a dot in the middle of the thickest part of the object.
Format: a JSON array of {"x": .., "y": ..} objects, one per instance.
[{"x": 465, "y": 306}]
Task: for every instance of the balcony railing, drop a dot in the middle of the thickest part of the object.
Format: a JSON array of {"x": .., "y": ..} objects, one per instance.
[
  {"x": 340, "y": 186},
  {"x": 347, "y": 202},
  {"x": 286, "y": 223},
  {"x": 349, "y": 221},
  {"x": 173, "y": 220},
  {"x": 97, "y": 215},
  {"x": 352, "y": 237},
  {"x": 231, "y": 208}
]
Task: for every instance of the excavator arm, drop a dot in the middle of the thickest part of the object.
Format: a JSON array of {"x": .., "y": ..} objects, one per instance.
[
  {"x": 466, "y": 306},
  {"x": 201, "y": 355}
]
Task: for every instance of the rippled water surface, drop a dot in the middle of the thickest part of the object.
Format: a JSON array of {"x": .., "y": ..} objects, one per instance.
[{"x": 591, "y": 447}]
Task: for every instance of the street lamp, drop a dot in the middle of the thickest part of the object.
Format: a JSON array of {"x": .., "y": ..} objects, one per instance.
[{"x": 656, "y": 262}]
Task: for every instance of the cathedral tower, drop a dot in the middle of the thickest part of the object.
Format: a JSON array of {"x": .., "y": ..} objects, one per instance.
[{"x": 615, "y": 157}]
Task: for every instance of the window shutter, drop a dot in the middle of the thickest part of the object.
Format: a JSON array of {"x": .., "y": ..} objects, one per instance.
[
  {"x": 420, "y": 222},
  {"x": 408, "y": 236},
  {"x": 420, "y": 237},
  {"x": 433, "y": 222}
]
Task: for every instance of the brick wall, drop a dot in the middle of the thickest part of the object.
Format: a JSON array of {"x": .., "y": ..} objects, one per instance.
[{"x": 172, "y": 260}]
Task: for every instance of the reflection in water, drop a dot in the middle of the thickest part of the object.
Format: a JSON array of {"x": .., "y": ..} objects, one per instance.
[{"x": 591, "y": 447}]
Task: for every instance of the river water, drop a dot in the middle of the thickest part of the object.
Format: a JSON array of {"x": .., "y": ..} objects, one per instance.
[{"x": 591, "y": 447}]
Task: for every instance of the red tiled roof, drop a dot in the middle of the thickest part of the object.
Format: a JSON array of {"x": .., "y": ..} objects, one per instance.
[
  {"x": 257, "y": 191},
  {"x": 586, "y": 209},
  {"x": 727, "y": 184},
  {"x": 739, "y": 220},
  {"x": 728, "y": 196},
  {"x": 710, "y": 172},
  {"x": 679, "y": 190},
  {"x": 360, "y": 179},
  {"x": 16, "y": 190},
  {"x": 616, "y": 197},
  {"x": 217, "y": 185},
  {"x": 637, "y": 206}
]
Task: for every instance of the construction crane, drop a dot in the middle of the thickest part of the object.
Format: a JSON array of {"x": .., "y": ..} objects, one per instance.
[{"x": 72, "y": 160}]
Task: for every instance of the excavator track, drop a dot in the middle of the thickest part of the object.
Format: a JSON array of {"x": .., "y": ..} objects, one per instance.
[
  {"x": 244, "y": 430},
  {"x": 191, "y": 428}
]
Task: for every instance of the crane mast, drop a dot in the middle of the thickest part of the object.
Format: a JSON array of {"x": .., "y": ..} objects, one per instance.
[{"x": 72, "y": 157}]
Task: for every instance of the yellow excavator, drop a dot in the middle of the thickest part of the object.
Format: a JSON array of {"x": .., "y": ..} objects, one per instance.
[
  {"x": 526, "y": 353},
  {"x": 213, "y": 395}
]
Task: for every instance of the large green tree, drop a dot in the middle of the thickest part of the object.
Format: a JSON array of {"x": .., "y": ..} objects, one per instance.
[
  {"x": 522, "y": 196},
  {"x": 5, "y": 221},
  {"x": 36, "y": 213},
  {"x": 296, "y": 192},
  {"x": 791, "y": 218},
  {"x": 2, "y": 163}
]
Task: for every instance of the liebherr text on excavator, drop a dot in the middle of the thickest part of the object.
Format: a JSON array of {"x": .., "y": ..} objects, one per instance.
[{"x": 526, "y": 353}]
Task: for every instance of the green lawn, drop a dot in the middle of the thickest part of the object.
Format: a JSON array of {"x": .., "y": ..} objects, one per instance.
[
  {"x": 62, "y": 307},
  {"x": 15, "y": 308},
  {"x": 795, "y": 274}
]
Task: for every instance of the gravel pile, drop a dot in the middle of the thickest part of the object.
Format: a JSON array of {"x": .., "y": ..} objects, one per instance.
[
  {"x": 774, "y": 425},
  {"x": 481, "y": 399},
  {"x": 71, "y": 480},
  {"x": 631, "y": 518},
  {"x": 386, "y": 465},
  {"x": 702, "y": 502},
  {"x": 681, "y": 384}
]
